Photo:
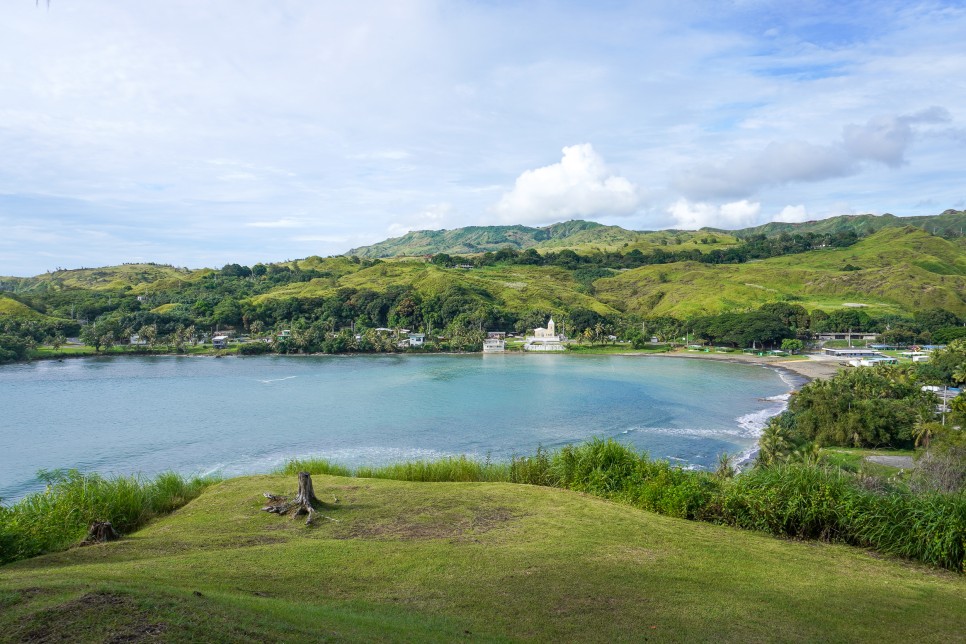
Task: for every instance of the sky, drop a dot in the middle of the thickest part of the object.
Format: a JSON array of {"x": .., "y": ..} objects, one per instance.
[{"x": 203, "y": 133}]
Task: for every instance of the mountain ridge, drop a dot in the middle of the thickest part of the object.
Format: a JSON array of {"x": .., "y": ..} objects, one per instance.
[{"x": 588, "y": 235}]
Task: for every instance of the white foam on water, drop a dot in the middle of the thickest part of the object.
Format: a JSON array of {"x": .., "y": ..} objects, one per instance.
[{"x": 277, "y": 379}]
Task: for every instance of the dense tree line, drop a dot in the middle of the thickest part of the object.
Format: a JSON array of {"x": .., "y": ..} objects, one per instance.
[
  {"x": 883, "y": 406},
  {"x": 755, "y": 247}
]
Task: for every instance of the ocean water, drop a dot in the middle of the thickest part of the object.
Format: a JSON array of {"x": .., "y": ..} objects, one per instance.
[{"x": 127, "y": 415}]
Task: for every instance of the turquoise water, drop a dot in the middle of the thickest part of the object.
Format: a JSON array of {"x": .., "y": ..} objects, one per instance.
[{"x": 242, "y": 415}]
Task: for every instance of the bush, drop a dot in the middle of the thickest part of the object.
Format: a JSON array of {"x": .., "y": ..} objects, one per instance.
[
  {"x": 254, "y": 348},
  {"x": 59, "y": 516}
]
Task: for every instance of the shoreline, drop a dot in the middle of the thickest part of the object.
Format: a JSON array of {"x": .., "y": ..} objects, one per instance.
[{"x": 807, "y": 370}]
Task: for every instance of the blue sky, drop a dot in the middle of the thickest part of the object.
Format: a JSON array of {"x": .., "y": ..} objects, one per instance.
[{"x": 202, "y": 133}]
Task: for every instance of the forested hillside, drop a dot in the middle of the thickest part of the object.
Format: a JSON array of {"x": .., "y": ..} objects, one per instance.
[
  {"x": 586, "y": 236},
  {"x": 657, "y": 283}
]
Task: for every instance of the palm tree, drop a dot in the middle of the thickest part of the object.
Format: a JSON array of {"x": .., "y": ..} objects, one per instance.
[
  {"x": 726, "y": 466},
  {"x": 773, "y": 445},
  {"x": 959, "y": 375},
  {"x": 923, "y": 430}
]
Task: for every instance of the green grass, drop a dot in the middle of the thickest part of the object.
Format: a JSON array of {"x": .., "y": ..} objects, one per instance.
[
  {"x": 832, "y": 501},
  {"x": 852, "y": 459},
  {"x": 898, "y": 275},
  {"x": 12, "y": 308},
  {"x": 136, "y": 276},
  {"x": 488, "y": 561}
]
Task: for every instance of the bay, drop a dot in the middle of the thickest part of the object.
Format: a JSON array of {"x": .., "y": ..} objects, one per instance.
[{"x": 127, "y": 415}]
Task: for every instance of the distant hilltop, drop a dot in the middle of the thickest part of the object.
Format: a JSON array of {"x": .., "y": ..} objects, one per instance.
[{"x": 581, "y": 235}]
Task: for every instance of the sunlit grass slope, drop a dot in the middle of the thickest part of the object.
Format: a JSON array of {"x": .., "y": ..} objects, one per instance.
[
  {"x": 518, "y": 288},
  {"x": 580, "y": 236},
  {"x": 899, "y": 269},
  {"x": 137, "y": 277},
  {"x": 13, "y": 308},
  {"x": 615, "y": 238},
  {"x": 438, "y": 562}
]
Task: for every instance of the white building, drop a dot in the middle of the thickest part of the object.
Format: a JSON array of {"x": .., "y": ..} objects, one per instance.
[
  {"x": 545, "y": 339},
  {"x": 417, "y": 339},
  {"x": 872, "y": 361},
  {"x": 495, "y": 342}
]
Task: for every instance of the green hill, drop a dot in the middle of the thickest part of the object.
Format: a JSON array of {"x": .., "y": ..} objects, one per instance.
[
  {"x": 471, "y": 239},
  {"x": 900, "y": 269},
  {"x": 896, "y": 269},
  {"x": 12, "y": 308},
  {"x": 446, "y": 561},
  {"x": 587, "y": 236},
  {"x": 517, "y": 288},
  {"x": 580, "y": 236},
  {"x": 108, "y": 278},
  {"x": 950, "y": 224}
]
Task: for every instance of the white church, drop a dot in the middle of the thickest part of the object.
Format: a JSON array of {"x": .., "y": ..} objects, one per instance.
[{"x": 545, "y": 339}]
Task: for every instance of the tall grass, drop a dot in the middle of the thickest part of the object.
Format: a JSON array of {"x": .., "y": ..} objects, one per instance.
[
  {"x": 314, "y": 466},
  {"x": 798, "y": 501},
  {"x": 59, "y": 516},
  {"x": 458, "y": 468}
]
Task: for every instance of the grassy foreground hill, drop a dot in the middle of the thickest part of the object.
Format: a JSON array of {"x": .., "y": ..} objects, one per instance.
[{"x": 443, "y": 561}]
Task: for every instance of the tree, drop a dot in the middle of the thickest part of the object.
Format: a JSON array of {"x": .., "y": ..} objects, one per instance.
[
  {"x": 149, "y": 333},
  {"x": 792, "y": 345}
]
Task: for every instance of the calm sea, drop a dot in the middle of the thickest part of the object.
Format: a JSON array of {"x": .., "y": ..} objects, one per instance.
[{"x": 242, "y": 415}]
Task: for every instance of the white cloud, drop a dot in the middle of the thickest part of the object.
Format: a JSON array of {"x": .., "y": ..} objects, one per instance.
[
  {"x": 286, "y": 222},
  {"x": 883, "y": 139},
  {"x": 736, "y": 214},
  {"x": 147, "y": 120},
  {"x": 579, "y": 186},
  {"x": 432, "y": 218},
  {"x": 381, "y": 155},
  {"x": 793, "y": 214}
]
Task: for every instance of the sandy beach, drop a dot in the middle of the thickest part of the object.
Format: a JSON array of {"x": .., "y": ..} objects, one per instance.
[{"x": 815, "y": 366}]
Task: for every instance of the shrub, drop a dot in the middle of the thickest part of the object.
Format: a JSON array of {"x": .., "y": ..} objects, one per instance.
[
  {"x": 60, "y": 515},
  {"x": 254, "y": 348}
]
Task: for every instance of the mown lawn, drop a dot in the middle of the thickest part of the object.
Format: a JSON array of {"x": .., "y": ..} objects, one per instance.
[{"x": 443, "y": 561}]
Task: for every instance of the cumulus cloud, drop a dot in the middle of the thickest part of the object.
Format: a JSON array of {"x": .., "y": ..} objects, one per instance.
[
  {"x": 882, "y": 140},
  {"x": 580, "y": 185},
  {"x": 693, "y": 215},
  {"x": 793, "y": 214}
]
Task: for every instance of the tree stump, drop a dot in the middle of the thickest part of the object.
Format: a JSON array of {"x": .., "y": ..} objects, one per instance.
[
  {"x": 100, "y": 532},
  {"x": 304, "y": 502}
]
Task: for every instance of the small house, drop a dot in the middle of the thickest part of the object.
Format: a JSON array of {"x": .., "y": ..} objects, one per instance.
[
  {"x": 495, "y": 342},
  {"x": 220, "y": 342},
  {"x": 417, "y": 339}
]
